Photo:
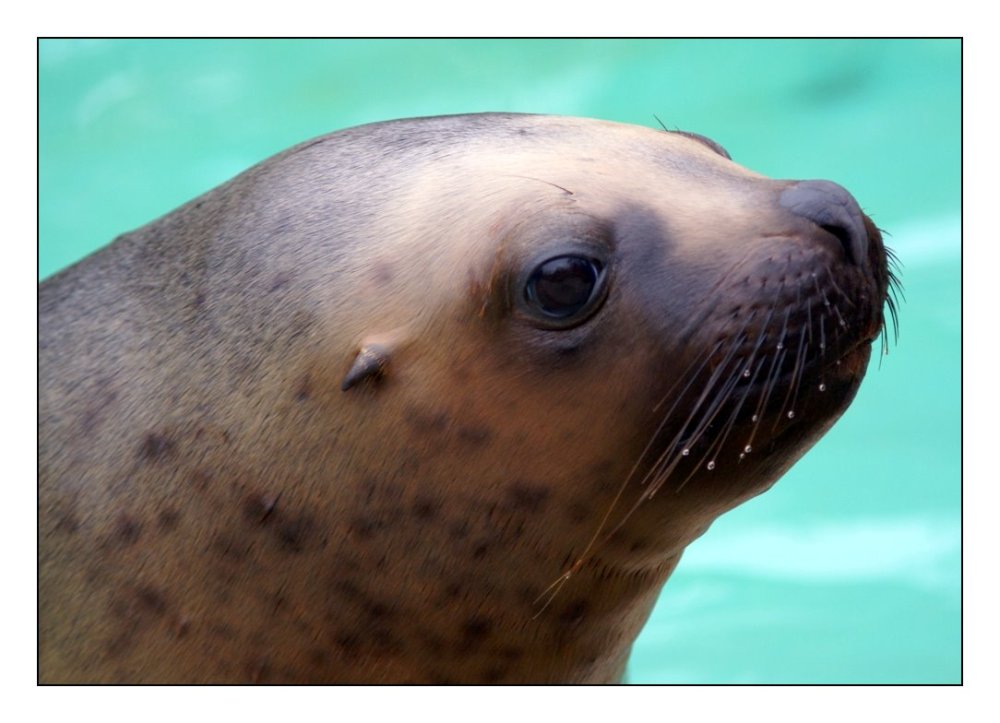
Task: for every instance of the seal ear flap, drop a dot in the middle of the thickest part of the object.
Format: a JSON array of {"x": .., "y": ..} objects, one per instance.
[{"x": 372, "y": 358}]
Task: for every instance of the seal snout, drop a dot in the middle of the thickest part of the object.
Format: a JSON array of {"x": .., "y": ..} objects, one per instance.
[{"x": 832, "y": 208}]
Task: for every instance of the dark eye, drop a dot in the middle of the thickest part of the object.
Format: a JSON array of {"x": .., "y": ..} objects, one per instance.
[{"x": 564, "y": 288}]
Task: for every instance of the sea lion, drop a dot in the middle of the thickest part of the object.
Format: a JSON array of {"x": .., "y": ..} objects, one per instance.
[{"x": 433, "y": 400}]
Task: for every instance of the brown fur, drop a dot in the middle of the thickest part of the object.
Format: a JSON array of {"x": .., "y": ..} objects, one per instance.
[{"x": 214, "y": 508}]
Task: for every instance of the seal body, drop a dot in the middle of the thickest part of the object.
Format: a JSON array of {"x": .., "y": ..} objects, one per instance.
[{"x": 434, "y": 400}]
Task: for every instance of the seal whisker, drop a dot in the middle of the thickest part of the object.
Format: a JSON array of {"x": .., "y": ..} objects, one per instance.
[
  {"x": 717, "y": 448},
  {"x": 833, "y": 282},
  {"x": 694, "y": 369},
  {"x": 840, "y": 319},
  {"x": 723, "y": 396},
  {"x": 773, "y": 374},
  {"x": 655, "y": 471},
  {"x": 793, "y": 386},
  {"x": 552, "y": 590}
]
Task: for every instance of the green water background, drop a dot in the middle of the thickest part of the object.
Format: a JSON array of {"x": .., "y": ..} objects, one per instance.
[{"x": 849, "y": 569}]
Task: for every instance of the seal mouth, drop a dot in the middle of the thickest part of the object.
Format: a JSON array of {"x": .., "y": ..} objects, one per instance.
[{"x": 785, "y": 360}]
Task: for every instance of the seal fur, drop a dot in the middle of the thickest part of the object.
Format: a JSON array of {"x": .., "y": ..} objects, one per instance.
[{"x": 310, "y": 428}]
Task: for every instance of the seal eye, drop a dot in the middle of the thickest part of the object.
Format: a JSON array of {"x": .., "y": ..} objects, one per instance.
[{"x": 564, "y": 286}]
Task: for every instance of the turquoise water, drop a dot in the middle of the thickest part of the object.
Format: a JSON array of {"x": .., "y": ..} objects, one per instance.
[{"x": 848, "y": 570}]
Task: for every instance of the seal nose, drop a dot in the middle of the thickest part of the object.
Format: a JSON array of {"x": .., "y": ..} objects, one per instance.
[{"x": 833, "y": 209}]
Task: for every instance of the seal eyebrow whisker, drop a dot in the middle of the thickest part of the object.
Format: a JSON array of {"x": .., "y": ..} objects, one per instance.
[{"x": 540, "y": 180}]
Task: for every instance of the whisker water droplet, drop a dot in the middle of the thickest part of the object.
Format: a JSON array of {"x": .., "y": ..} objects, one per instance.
[
  {"x": 748, "y": 449},
  {"x": 711, "y": 465},
  {"x": 822, "y": 387},
  {"x": 791, "y": 414}
]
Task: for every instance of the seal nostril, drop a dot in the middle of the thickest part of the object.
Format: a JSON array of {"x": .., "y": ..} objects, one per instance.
[
  {"x": 834, "y": 210},
  {"x": 844, "y": 236}
]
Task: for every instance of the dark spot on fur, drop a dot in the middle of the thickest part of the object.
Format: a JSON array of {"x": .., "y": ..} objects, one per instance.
[
  {"x": 637, "y": 546},
  {"x": 369, "y": 487},
  {"x": 131, "y": 612},
  {"x": 480, "y": 550},
  {"x": 458, "y": 530},
  {"x": 304, "y": 390},
  {"x": 525, "y": 497},
  {"x": 377, "y": 610},
  {"x": 294, "y": 534},
  {"x": 168, "y": 519},
  {"x": 474, "y": 435},
  {"x": 122, "y": 641},
  {"x": 528, "y": 596},
  {"x": 509, "y": 653},
  {"x": 199, "y": 300},
  {"x": 348, "y": 589},
  {"x": 425, "y": 508},
  {"x": 279, "y": 281},
  {"x": 258, "y": 669},
  {"x": 452, "y": 590},
  {"x": 493, "y": 674},
  {"x": 318, "y": 657},
  {"x": 349, "y": 643},
  {"x": 103, "y": 397},
  {"x": 474, "y": 631},
  {"x": 577, "y": 512},
  {"x": 126, "y": 531},
  {"x": 382, "y": 274},
  {"x": 299, "y": 325},
  {"x": 365, "y": 528},
  {"x": 573, "y": 613},
  {"x": 156, "y": 447},
  {"x": 67, "y": 522},
  {"x": 181, "y": 627},
  {"x": 477, "y": 627},
  {"x": 230, "y": 548},
  {"x": 200, "y": 480},
  {"x": 384, "y": 641},
  {"x": 258, "y": 507},
  {"x": 151, "y": 600}
]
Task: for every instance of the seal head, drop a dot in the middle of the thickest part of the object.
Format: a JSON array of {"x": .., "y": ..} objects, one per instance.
[{"x": 435, "y": 400}]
